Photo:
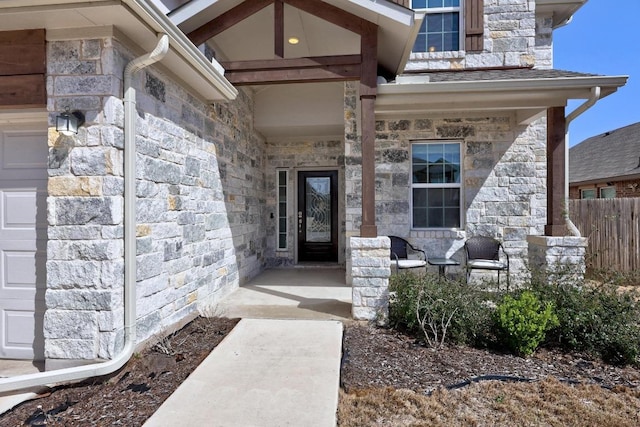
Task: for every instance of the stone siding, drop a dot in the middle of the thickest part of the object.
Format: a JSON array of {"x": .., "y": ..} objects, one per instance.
[
  {"x": 295, "y": 155},
  {"x": 558, "y": 256},
  {"x": 510, "y": 39},
  {"x": 368, "y": 271},
  {"x": 200, "y": 194}
]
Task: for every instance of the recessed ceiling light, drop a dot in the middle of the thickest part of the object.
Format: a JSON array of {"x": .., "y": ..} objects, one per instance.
[{"x": 294, "y": 40}]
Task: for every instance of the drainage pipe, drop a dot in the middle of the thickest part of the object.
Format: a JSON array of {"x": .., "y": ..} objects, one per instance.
[
  {"x": 595, "y": 96},
  {"x": 98, "y": 369}
]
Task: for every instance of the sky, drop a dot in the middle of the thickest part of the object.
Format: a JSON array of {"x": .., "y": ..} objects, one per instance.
[{"x": 603, "y": 39}]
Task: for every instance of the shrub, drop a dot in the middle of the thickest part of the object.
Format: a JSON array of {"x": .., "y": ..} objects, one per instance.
[
  {"x": 439, "y": 309},
  {"x": 524, "y": 322},
  {"x": 597, "y": 320}
]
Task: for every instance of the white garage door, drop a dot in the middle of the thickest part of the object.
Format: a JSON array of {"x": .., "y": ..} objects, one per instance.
[{"x": 23, "y": 231}]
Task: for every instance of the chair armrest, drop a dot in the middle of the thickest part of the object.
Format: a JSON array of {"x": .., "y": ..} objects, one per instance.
[{"x": 419, "y": 251}]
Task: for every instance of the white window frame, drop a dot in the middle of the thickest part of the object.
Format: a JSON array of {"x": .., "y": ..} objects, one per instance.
[
  {"x": 434, "y": 10},
  {"x": 457, "y": 185},
  {"x": 280, "y": 184}
]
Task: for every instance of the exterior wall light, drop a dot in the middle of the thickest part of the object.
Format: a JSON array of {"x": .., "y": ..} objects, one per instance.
[{"x": 68, "y": 122}]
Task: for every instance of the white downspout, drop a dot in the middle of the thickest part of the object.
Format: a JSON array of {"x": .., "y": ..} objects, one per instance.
[
  {"x": 98, "y": 369},
  {"x": 595, "y": 96}
]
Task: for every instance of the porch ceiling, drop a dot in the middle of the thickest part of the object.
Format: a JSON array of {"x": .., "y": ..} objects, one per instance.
[{"x": 528, "y": 97}]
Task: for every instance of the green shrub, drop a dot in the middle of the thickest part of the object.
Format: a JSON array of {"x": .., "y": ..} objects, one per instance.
[
  {"x": 440, "y": 310},
  {"x": 524, "y": 322},
  {"x": 596, "y": 320}
]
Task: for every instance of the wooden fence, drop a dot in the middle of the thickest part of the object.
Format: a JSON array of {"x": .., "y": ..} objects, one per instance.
[{"x": 613, "y": 229}]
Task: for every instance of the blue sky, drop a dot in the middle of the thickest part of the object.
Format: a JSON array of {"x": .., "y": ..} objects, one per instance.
[{"x": 603, "y": 39}]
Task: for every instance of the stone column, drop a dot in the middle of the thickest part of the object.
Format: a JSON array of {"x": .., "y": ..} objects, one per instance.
[
  {"x": 369, "y": 268},
  {"x": 558, "y": 256}
]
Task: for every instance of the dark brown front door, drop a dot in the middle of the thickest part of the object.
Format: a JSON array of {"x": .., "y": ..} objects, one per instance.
[{"x": 318, "y": 216}]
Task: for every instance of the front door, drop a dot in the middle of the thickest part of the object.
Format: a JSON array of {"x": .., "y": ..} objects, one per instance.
[{"x": 318, "y": 216}]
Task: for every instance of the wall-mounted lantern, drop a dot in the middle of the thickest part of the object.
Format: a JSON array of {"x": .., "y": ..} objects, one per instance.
[{"x": 68, "y": 122}]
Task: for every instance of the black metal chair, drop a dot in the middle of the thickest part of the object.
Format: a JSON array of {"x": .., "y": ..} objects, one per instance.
[
  {"x": 483, "y": 253},
  {"x": 400, "y": 251}
]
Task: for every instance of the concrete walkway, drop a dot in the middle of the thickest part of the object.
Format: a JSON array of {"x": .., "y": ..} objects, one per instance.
[{"x": 264, "y": 373}]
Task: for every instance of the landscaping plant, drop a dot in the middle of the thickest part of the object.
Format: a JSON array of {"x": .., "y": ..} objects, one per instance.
[
  {"x": 439, "y": 309},
  {"x": 524, "y": 321}
]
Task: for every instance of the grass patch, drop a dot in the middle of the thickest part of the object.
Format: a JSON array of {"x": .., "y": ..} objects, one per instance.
[{"x": 493, "y": 403}]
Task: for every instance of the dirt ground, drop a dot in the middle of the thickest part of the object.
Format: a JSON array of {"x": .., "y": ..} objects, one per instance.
[{"x": 397, "y": 367}]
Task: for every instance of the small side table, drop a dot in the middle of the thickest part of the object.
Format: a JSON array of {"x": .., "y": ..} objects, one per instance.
[{"x": 442, "y": 264}]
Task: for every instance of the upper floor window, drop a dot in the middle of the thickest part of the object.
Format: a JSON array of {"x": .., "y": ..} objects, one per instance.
[
  {"x": 450, "y": 25},
  {"x": 440, "y": 30},
  {"x": 436, "y": 185}
]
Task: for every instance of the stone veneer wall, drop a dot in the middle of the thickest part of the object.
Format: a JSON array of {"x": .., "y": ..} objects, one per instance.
[
  {"x": 200, "y": 188},
  {"x": 368, "y": 271},
  {"x": 504, "y": 179},
  {"x": 510, "y": 39},
  {"x": 296, "y": 155},
  {"x": 562, "y": 255}
]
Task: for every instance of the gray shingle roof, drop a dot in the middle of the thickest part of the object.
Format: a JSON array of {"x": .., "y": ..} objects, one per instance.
[
  {"x": 609, "y": 155},
  {"x": 500, "y": 74}
]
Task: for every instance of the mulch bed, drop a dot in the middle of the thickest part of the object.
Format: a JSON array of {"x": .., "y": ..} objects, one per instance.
[
  {"x": 133, "y": 394},
  {"x": 378, "y": 357}
]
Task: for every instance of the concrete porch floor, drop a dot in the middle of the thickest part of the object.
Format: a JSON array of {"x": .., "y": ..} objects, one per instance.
[{"x": 303, "y": 292}]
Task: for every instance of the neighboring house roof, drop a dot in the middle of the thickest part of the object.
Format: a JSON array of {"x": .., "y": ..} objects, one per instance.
[{"x": 610, "y": 155}]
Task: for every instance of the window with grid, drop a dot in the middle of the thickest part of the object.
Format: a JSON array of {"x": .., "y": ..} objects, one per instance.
[
  {"x": 440, "y": 30},
  {"x": 436, "y": 184}
]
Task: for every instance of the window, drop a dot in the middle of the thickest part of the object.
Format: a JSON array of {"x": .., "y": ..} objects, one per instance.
[
  {"x": 436, "y": 184},
  {"x": 440, "y": 30},
  {"x": 283, "y": 176},
  {"x": 589, "y": 193},
  {"x": 608, "y": 192}
]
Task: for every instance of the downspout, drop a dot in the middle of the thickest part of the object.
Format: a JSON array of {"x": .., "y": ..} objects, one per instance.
[
  {"x": 595, "y": 96},
  {"x": 98, "y": 369}
]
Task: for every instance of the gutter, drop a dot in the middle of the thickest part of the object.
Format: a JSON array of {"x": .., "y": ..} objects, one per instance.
[
  {"x": 595, "y": 96},
  {"x": 210, "y": 70},
  {"x": 104, "y": 368}
]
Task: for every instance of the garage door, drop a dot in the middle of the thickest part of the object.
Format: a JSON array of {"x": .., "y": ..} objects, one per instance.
[{"x": 23, "y": 229}]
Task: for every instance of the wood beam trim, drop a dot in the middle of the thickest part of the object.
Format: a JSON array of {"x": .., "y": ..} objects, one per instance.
[
  {"x": 330, "y": 14},
  {"x": 278, "y": 28},
  {"x": 556, "y": 126},
  {"x": 22, "y": 52},
  {"x": 272, "y": 64},
  {"x": 23, "y": 91},
  {"x": 369, "y": 52},
  {"x": 329, "y": 73},
  {"x": 227, "y": 20}
]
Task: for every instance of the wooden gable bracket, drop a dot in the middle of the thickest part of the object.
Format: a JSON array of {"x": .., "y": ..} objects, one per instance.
[{"x": 318, "y": 69}]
